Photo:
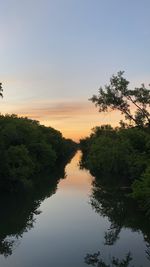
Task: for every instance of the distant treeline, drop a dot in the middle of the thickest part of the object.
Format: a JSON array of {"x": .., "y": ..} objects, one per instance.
[
  {"x": 29, "y": 151},
  {"x": 120, "y": 157}
]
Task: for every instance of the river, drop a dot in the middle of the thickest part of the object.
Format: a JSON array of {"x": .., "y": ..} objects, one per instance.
[{"x": 60, "y": 229}]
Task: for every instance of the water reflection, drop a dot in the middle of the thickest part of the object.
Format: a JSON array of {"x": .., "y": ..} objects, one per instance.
[
  {"x": 18, "y": 212},
  {"x": 121, "y": 211},
  {"x": 96, "y": 260},
  {"x": 70, "y": 226}
]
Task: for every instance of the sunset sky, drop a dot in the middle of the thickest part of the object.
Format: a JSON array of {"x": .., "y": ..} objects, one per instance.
[{"x": 55, "y": 54}]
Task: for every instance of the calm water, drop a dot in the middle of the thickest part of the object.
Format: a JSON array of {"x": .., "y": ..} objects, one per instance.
[{"x": 68, "y": 219}]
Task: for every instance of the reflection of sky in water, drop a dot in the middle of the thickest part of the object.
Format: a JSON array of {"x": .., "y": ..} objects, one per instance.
[
  {"x": 68, "y": 229},
  {"x": 77, "y": 180}
]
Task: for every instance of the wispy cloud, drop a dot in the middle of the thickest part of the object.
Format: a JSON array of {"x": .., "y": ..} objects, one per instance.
[
  {"x": 52, "y": 109},
  {"x": 74, "y": 119}
]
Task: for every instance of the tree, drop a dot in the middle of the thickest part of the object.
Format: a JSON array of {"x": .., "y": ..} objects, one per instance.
[
  {"x": 1, "y": 90},
  {"x": 117, "y": 96},
  {"x": 19, "y": 164}
]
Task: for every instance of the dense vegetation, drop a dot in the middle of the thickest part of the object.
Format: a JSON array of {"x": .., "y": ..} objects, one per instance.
[
  {"x": 29, "y": 151},
  {"x": 121, "y": 156}
]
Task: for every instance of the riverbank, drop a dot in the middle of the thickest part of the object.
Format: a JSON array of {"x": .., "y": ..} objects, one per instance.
[
  {"x": 119, "y": 158},
  {"x": 71, "y": 219}
]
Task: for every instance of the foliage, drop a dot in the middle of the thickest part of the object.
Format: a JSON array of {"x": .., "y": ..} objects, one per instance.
[
  {"x": 28, "y": 149},
  {"x": 109, "y": 156},
  {"x": 120, "y": 153},
  {"x": 119, "y": 157},
  {"x": 19, "y": 163},
  {"x": 141, "y": 190},
  {"x": 117, "y": 96}
]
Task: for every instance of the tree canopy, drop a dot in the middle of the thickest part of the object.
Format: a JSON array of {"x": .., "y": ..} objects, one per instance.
[
  {"x": 134, "y": 104},
  {"x": 29, "y": 152}
]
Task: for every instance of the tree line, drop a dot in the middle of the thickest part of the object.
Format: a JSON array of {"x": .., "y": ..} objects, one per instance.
[
  {"x": 29, "y": 151},
  {"x": 121, "y": 156}
]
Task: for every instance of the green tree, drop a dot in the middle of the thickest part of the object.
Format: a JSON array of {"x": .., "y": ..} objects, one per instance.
[
  {"x": 19, "y": 164},
  {"x": 118, "y": 96},
  {"x": 109, "y": 159},
  {"x": 29, "y": 151},
  {"x": 141, "y": 190}
]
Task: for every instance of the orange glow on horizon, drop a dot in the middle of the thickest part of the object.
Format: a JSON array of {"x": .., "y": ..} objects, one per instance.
[
  {"x": 73, "y": 119},
  {"x": 76, "y": 179}
]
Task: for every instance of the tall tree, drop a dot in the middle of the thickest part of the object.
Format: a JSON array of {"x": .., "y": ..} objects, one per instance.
[{"x": 134, "y": 104}]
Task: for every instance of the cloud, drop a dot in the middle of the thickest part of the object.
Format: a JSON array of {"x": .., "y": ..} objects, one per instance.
[
  {"x": 74, "y": 119},
  {"x": 54, "y": 110}
]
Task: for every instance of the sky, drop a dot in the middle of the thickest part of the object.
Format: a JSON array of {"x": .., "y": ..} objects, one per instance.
[{"x": 55, "y": 54}]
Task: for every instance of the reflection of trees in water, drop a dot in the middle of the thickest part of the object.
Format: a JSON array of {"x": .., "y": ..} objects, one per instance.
[
  {"x": 112, "y": 235},
  {"x": 148, "y": 251},
  {"x": 121, "y": 210},
  {"x": 6, "y": 247},
  {"x": 96, "y": 260},
  {"x": 18, "y": 212}
]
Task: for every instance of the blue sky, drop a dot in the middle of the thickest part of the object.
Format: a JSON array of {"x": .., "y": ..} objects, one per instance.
[{"x": 54, "y": 53}]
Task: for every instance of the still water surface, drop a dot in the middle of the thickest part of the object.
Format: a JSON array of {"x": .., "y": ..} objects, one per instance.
[{"x": 67, "y": 221}]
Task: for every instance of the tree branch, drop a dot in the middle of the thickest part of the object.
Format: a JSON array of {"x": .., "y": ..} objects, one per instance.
[
  {"x": 128, "y": 114},
  {"x": 130, "y": 98}
]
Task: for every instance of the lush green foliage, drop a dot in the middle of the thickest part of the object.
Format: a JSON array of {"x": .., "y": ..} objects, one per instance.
[
  {"x": 28, "y": 149},
  {"x": 141, "y": 190},
  {"x": 120, "y": 157},
  {"x": 117, "y": 153}
]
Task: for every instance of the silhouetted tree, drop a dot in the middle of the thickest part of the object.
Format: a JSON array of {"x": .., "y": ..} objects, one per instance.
[{"x": 117, "y": 96}]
